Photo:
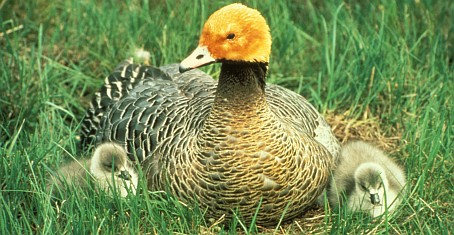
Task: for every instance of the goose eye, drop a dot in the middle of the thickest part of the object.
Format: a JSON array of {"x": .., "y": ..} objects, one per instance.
[
  {"x": 231, "y": 36},
  {"x": 109, "y": 167},
  {"x": 363, "y": 187}
]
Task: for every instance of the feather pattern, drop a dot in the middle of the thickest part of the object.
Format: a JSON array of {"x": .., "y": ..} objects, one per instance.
[
  {"x": 232, "y": 144},
  {"x": 159, "y": 114}
]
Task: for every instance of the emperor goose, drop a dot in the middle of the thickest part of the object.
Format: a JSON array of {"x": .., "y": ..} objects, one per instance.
[{"x": 232, "y": 144}]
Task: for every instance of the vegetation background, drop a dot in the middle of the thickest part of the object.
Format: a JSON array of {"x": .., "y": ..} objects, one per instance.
[{"x": 379, "y": 70}]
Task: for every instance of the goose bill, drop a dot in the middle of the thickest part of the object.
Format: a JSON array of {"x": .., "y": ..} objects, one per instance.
[
  {"x": 375, "y": 199},
  {"x": 198, "y": 58}
]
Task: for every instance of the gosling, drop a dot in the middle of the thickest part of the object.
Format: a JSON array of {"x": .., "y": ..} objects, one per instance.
[
  {"x": 366, "y": 180},
  {"x": 109, "y": 168}
]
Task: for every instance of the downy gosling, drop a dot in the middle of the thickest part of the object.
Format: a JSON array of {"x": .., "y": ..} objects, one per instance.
[
  {"x": 366, "y": 180},
  {"x": 109, "y": 168}
]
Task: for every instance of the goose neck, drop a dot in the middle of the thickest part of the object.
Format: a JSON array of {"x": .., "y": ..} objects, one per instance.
[{"x": 241, "y": 81}]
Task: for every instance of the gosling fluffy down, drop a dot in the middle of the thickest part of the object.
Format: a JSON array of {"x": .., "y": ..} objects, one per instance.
[
  {"x": 109, "y": 168},
  {"x": 367, "y": 180}
]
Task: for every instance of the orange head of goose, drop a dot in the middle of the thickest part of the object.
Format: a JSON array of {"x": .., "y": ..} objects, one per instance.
[{"x": 234, "y": 33}]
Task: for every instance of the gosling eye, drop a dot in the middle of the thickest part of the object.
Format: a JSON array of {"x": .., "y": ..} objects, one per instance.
[
  {"x": 363, "y": 187},
  {"x": 110, "y": 167},
  {"x": 230, "y": 36}
]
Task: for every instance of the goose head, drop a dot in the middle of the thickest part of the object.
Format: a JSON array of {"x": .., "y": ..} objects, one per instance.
[
  {"x": 370, "y": 179},
  {"x": 234, "y": 33},
  {"x": 108, "y": 159}
]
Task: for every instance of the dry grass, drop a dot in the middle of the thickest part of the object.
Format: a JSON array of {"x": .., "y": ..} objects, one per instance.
[{"x": 367, "y": 128}]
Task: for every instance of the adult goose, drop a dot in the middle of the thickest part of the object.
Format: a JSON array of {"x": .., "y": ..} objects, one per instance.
[{"x": 236, "y": 144}]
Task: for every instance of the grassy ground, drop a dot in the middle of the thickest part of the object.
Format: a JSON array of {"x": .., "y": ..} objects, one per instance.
[{"x": 379, "y": 70}]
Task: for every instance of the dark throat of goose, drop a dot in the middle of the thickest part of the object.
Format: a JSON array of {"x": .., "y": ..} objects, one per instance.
[
  {"x": 240, "y": 105},
  {"x": 239, "y": 81}
]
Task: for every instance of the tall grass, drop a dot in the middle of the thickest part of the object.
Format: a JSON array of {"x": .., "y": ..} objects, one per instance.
[{"x": 391, "y": 61}]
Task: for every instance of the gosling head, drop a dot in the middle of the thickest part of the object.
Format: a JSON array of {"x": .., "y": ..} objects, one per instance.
[
  {"x": 232, "y": 33},
  {"x": 111, "y": 168},
  {"x": 370, "y": 181}
]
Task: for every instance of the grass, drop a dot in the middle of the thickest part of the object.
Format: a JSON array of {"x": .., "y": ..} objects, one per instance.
[{"x": 378, "y": 70}]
